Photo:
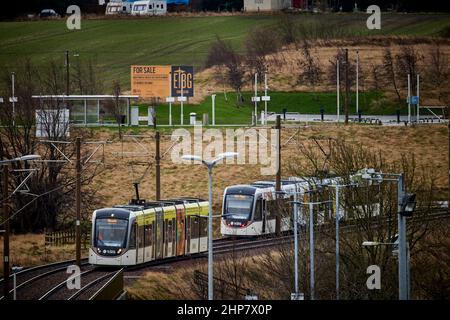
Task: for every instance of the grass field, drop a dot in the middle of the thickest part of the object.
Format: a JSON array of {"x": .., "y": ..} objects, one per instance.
[
  {"x": 227, "y": 111},
  {"x": 115, "y": 44}
]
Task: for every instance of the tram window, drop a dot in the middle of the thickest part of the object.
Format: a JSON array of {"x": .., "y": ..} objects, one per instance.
[
  {"x": 271, "y": 207},
  {"x": 173, "y": 231},
  {"x": 148, "y": 235},
  {"x": 203, "y": 227},
  {"x": 141, "y": 237},
  {"x": 132, "y": 244},
  {"x": 169, "y": 231},
  {"x": 194, "y": 227},
  {"x": 258, "y": 210}
]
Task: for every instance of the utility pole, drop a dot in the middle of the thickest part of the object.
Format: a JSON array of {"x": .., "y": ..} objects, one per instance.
[
  {"x": 337, "y": 213},
  {"x": 13, "y": 98},
  {"x": 278, "y": 177},
  {"x": 78, "y": 202},
  {"x": 448, "y": 119},
  {"x": 311, "y": 248},
  {"x": 338, "y": 90},
  {"x": 409, "y": 99},
  {"x": 6, "y": 235},
  {"x": 256, "y": 101},
  {"x": 158, "y": 166},
  {"x": 402, "y": 254},
  {"x": 357, "y": 82},
  {"x": 67, "y": 74},
  {"x": 347, "y": 89},
  {"x": 418, "y": 98},
  {"x": 265, "y": 101}
]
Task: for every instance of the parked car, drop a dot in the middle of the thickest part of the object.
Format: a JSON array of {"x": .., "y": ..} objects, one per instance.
[{"x": 48, "y": 13}]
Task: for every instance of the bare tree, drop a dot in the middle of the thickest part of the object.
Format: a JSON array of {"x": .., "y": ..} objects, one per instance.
[
  {"x": 287, "y": 29},
  {"x": 222, "y": 53},
  {"x": 49, "y": 199},
  {"x": 117, "y": 91},
  {"x": 438, "y": 74},
  {"x": 310, "y": 70},
  {"x": 408, "y": 62},
  {"x": 389, "y": 72},
  {"x": 259, "y": 44}
]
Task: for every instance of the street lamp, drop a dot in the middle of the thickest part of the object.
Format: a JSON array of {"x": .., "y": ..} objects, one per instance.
[
  {"x": 406, "y": 203},
  {"x": 338, "y": 217},
  {"x": 311, "y": 242},
  {"x": 6, "y": 218},
  {"x": 210, "y": 165},
  {"x": 395, "y": 252},
  {"x": 22, "y": 158}
]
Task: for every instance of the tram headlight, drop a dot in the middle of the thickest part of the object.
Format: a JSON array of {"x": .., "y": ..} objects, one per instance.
[{"x": 119, "y": 251}]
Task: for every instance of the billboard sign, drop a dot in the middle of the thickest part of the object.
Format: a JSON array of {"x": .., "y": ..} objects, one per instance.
[
  {"x": 150, "y": 81},
  {"x": 182, "y": 80}
]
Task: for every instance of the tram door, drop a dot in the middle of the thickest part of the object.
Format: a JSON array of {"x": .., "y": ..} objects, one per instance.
[
  {"x": 149, "y": 241},
  {"x": 192, "y": 232},
  {"x": 169, "y": 237},
  {"x": 159, "y": 235},
  {"x": 264, "y": 212},
  {"x": 181, "y": 231},
  {"x": 140, "y": 244}
]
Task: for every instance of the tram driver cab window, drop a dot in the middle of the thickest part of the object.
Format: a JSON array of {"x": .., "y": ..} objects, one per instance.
[
  {"x": 132, "y": 244},
  {"x": 258, "y": 210}
]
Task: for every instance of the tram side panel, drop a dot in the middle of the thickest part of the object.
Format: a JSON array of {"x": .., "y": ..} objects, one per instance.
[
  {"x": 159, "y": 233},
  {"x": 169, "y": 231},
  {"x": 203, "y": 232}
]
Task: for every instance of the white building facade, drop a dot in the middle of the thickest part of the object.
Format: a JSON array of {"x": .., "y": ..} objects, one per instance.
[{"x": 266, "y": 5}]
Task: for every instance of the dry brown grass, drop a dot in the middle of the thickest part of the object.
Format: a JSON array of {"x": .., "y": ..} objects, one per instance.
[
  {"x": 428, "y": 143},
  {"x": 29, "y": 250},
  {"x": 284, "y": 69}
]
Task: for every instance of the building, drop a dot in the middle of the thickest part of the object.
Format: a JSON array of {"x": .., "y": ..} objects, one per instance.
[{"x": 266, "y": 5}]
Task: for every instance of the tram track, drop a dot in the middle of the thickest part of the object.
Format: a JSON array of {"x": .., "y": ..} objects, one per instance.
[{"x": 49, "y": 282}]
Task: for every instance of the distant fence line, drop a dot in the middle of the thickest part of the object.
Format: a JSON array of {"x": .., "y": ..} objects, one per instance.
[{"x": 61, "y": 238}]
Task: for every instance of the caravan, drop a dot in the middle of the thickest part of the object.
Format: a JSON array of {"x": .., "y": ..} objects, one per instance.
[
  {"x": 119, "y": 7},
  {"x": 149, "y": 8}
]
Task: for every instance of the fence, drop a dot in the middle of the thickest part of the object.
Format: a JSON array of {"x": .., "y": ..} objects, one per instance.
[{"x": 61, "y": 238}]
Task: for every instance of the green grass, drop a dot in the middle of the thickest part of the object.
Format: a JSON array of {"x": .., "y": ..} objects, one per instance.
[
  {"x": 227, "y": 111},
  {"x": 116, "y": 44}
]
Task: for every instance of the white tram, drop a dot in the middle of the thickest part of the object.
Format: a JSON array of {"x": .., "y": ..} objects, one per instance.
[
  {"x": 145, "y": 231},
  {"x": 250, "y": 210}
]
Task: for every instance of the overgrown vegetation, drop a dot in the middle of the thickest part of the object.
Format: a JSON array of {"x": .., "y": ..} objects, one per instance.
[{"x": 47, "y": 200}]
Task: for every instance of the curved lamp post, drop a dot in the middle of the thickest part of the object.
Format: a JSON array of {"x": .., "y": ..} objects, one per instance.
[{"x": 210, "y": 165}]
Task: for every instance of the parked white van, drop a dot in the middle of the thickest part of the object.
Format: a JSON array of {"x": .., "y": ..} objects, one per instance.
[
  {"x": 119, "y": 7},
  {"x": 149, "y": 8}
]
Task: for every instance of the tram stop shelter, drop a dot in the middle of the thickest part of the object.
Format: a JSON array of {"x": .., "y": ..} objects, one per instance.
[{"x": 88, "y": 110}]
